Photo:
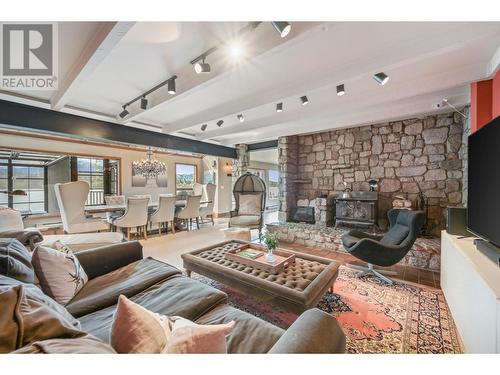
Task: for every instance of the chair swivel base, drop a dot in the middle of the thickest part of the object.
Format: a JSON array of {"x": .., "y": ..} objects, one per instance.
[{"x": 365, "y": 271}]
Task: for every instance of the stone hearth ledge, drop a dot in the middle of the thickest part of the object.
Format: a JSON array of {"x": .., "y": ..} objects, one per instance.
[{"x": 425, "y": 253}]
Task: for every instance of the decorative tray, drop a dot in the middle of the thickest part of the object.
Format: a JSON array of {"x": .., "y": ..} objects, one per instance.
[{"x": 254, "y": 255}]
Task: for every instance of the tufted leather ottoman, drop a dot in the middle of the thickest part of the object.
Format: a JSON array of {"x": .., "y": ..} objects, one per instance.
[{"x": 297, "y": 288}]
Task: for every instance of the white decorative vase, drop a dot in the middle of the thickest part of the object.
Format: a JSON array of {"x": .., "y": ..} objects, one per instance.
[{"x": 270, "y": 257}]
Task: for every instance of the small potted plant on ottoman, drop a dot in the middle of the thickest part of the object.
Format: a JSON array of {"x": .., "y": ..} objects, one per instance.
[{"x": 271, "y": 240}]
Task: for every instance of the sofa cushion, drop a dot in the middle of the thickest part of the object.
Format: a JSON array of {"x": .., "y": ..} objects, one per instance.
[
  {"x": 82, "y": 241},
  {"x": 25, "y": 319},
  {"x": 103, "y": 291},
  {"x": 36, "y": 293},
  {"x": 28, "y": 237},
  {"x": 178, "y": 295},
  {"x": 81, "y": 345},
  {"x": 249, "y": 335},
  {"x": 15, "y": 260},
  {"x": 59, "y": 272},
  {"x": 244, "y": 220}
]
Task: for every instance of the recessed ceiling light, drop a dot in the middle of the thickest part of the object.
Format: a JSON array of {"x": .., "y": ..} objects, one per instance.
[
  {"x": 241, "y": 118},
  {"x": 279, "y": 107},
  {"x": 204, "y": 127},
  {"x": 304, "y": 100},
  {"x": 381, "y": 78},
  {"x": 219, "y": 123},
  {"x": 171, "y": 86},
  {"x": 283, "y": 28},
  {"x": 124, "y": 112},
  {"x": 340, "y": 90},
  {"x": 202, "y": 67},
  {"x": 144, "y": 103}
]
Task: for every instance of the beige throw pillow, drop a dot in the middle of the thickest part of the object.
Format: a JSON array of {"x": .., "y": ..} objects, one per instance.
[
  {"x": 249, "y": 204},
  {"x": 59, "y": 273},
  {"x": 138, "y": 330}
]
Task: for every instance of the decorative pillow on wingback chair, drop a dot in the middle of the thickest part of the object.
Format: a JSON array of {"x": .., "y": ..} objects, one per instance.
[
  {"x": 250, "y": 204},
  {"x": 59, "y": 272}
]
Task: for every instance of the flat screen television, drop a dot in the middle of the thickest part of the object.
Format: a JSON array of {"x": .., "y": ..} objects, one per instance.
[{"x": 483, "y": 194}]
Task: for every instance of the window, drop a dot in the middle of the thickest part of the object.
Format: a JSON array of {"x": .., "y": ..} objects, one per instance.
[
  {"x": 274, "y": 177},
  {"x": 92, "y": 172},
  {"x": 185, "y": 176},
  {"x": 4, "y": 184}
]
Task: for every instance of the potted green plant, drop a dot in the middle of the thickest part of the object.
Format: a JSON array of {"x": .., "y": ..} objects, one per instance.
[{"x": 272, "y": 241}]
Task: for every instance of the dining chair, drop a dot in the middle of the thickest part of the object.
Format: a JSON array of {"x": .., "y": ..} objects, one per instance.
[
  {"x": 190, "y": 211},
  {"x": 71, "y": 197},
  {"x": 113, "y": 200},
  {"x": 207, "y": 209},
  {"x": 198, "y": 189},
  {"x": 165, "y": 213},
  {"x": 135, "y": 216}
]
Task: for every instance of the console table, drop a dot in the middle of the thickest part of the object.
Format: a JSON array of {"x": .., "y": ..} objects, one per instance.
[{"x": 471, "y": 285}]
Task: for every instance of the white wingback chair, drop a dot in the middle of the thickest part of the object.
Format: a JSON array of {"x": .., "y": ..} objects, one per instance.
[
  {"x": 207, "y": 209},
  {"x": 135, "y": 216},
  {"x": 191, "y": 211},
  {"x": 165, "y": 213},
  {"x": 71, "y": 197}
]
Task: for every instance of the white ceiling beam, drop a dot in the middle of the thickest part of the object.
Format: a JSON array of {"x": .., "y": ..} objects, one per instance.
[
  {"x": 258, "y": 43},
  {"x": 494, "y": 64},
  {"x": 106, "y": 37}
]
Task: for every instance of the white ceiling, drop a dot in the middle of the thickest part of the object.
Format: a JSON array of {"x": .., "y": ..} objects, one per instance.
[{"x": 104, "y": 65}]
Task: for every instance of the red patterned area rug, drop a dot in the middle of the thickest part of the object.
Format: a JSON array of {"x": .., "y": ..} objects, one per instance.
[{"x": 376, "y": 318}]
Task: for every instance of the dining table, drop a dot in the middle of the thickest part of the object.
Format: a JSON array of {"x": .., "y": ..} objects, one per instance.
[{"x": 103, "y": 208}]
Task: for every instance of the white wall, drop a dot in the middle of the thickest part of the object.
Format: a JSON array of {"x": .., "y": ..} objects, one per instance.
[
  {"x": 127, "y": 157},
  {"x": 223, "y": 196}
]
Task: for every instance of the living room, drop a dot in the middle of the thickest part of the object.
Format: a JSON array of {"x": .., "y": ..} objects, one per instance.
[{"x": 207, "y": 185}]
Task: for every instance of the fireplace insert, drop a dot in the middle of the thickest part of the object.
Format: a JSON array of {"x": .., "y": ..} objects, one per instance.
[{"x": 303, "y": 214}]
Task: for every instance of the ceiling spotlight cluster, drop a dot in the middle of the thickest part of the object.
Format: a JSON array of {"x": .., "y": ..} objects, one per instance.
[{"x": 381, "y": 79}]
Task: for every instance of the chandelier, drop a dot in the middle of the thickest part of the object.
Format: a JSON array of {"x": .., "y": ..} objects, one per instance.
[{"x": 149, "y": 168}]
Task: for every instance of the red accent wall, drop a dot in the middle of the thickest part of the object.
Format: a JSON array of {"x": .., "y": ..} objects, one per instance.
[{"x": 485, "y": 101}]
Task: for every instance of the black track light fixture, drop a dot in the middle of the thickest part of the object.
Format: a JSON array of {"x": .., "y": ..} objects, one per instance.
[
  {"x": 304, "y": 100},
  {"x": 201, "y": 67},
  {"x": 144, "y": 103},
  {"x": 381, "y": 78},
  {"x": 219, "y": 123},
  {"x": 340, "y": 90},
  {"x": 171, "y": 86},
  {"x": 124, "y": 112},
  {"x": 204, "y": 127},
  {"x": 282, "y": 27},
  {"x": 279, "y": 107},
  {"x": 240, "y": 117}
]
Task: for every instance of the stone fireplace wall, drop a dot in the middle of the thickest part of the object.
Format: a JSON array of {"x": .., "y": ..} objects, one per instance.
[{"x": 408, "y": 156}]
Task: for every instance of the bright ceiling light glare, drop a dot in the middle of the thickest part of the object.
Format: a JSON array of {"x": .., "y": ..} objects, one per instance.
[
  {"x": 124, "y": 112},
  {"x": 241, "y": 118},
  {"x": 235, "y": 51},
  {"x": 219, "y": 123},
  {"x": 171, "y": 86},
  {"x": 202, "y": 67},
  {"x": 304, "y": 100},
  {"x": 144, "y": 103},
  {"x": 204, "y": 127},
  {"x": 283, "y": 28},
  {"x": 381, "y": 78},
  {"x": 279, "y": 107},
  {"x": 340, "y": 90}
]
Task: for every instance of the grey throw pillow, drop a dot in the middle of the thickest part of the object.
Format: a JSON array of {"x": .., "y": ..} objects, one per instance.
[{"x": 15, "y": 260}]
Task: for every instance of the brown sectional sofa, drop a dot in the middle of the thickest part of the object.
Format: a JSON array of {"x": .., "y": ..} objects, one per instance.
[{"x": 162, "y": 288}]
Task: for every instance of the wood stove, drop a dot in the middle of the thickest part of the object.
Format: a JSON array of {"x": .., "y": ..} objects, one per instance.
[{"x": 359, "y": 208}]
